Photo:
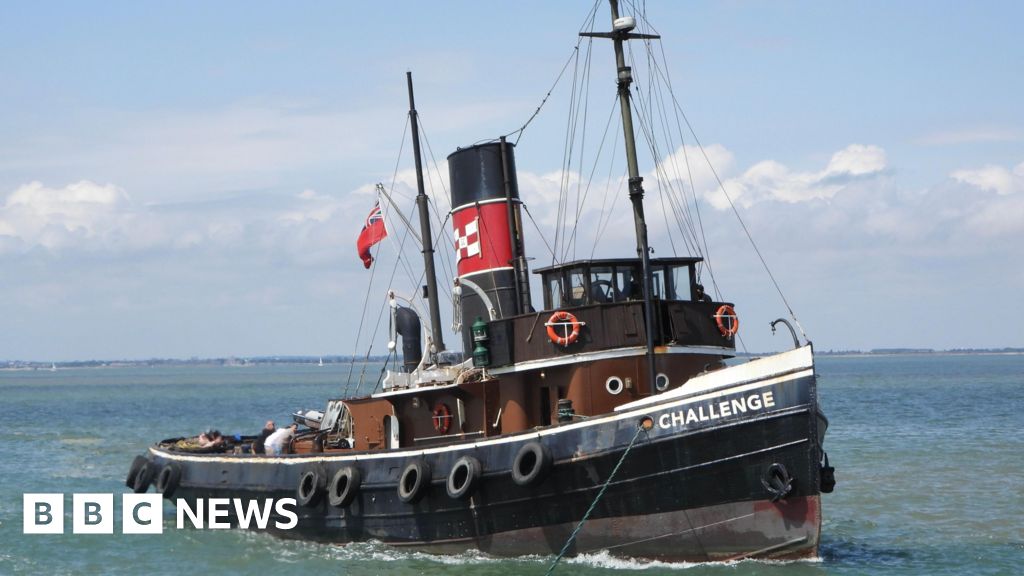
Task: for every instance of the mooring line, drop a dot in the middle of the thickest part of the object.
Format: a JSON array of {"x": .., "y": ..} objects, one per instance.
[{"x": 643, "y": 426}]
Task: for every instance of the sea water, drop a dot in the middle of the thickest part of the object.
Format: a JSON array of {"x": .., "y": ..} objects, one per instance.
[{"x": 928, "y": 451}]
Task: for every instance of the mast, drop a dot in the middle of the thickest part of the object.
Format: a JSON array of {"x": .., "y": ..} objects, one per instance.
[
  {"x": 428, "y": 239},
  {"x": 622, "y": 28},
  {"x": 519, "y": 268}
]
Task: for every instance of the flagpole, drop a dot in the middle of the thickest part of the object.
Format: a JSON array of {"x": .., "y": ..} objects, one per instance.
[
  {"x": 398, "y": 211},
  {"x": 428, "y": 242}
]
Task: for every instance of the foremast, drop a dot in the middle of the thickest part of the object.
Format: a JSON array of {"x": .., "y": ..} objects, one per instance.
[
  {"x": 622, "y": 31},
  {"x": 422, "y": 205}
]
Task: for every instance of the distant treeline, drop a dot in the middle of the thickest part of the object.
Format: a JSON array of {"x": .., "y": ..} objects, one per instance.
[
  {"x": 253, "y": 361},
  {"x": 263, "y": 360},
  {"x": 884, "y": 351}
]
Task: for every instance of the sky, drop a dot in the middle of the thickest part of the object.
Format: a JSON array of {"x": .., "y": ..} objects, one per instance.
[{"x": 188, "y": 179}]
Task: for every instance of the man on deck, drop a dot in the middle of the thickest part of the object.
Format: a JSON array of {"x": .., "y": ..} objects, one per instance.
[
  {"x": 259, "y": 444},
  {"x": 277, "y": 443}
]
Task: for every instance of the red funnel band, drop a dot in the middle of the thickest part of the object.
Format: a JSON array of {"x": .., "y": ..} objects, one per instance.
[{"x": 482, "y": 239}]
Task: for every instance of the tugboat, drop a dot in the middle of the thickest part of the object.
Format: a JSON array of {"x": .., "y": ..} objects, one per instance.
[{"x": 614, "y": 417}]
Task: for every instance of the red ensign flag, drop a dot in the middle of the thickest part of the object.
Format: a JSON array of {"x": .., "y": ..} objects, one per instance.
[{"x": 373, "y": 232}]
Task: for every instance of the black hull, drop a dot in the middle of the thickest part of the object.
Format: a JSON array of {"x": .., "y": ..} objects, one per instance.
[{"x": 693, "y": 491}]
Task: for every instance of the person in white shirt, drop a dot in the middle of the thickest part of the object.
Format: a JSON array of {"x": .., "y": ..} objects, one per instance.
[{"x": 277, "y": 443}]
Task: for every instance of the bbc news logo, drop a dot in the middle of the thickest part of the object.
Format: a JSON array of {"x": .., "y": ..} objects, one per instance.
[{"x": 144, "y": 513}]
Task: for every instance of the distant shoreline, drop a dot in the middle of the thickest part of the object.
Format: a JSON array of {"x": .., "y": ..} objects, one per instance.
[{"x": 15, "y": 365}]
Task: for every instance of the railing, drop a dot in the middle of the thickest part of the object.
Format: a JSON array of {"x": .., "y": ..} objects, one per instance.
[{"x": 607, "y": 327}]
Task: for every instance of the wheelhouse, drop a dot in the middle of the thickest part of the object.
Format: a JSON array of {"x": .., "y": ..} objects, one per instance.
[{"x": 589, "y": 282}]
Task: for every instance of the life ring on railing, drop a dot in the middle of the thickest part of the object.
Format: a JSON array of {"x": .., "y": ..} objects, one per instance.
[
  {"x": 442, "y": 417},
  {"x": 727, "y": 320},
  {"x": 564, "y": 320}
]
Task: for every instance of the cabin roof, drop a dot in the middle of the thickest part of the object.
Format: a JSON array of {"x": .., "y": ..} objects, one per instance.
[{"x": 686, "y": 260}]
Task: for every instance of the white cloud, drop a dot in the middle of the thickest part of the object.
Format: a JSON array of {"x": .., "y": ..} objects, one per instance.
[
  {"x": 857, "y": 160},
  {"x": 770, "y": 180},
  {"x": 995, "y": 178},
  {"x": 848, "y": 226},
  {"x": 1002, "y": 217},
  {"x": 848, "y": 202},
  {"x": 689, "y": 162},
  {"x": 55, "y": 218},
  {"x": 103, "y": 220}
]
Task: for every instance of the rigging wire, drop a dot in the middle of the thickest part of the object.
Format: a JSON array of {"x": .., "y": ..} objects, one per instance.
[
  {"x": 645, "y": 118},
  {"x": 369, "y": 286},
  {"x": 601, "y": 227},
  {"x": 721, "y": 186},
  {"x": 446, "y": 259},
  {"x": 584, "y": 97},
  {"x": 665, "y": 186},
  {"x": 522, "y": 129},
  {"x": 663, "y": 74},
  {"x": 415, "y": 281},
  {"x": 653, "y": 118},
  {"x": 597, "y": 159},
  {"x": 570, "y": 140},
  {"x": 649, "y": 134},
  {"x": 743, "y": 224},
  {"x": 385, "y": 303},
  {"x": 540, "y": 233},
  {"x": 680, "y": 204},
  {"x": 686, "y": 157},
  {"x": 576, "y": 96}
]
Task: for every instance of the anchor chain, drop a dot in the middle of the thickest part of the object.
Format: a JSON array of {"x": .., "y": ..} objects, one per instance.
[{"x": 645, "y": 424}]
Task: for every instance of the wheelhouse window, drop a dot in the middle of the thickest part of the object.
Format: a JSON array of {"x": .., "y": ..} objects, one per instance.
[
  {"x": 627, "y": 280},
  {"x": 577, "y": 295},
  {"x": 608, "y": 281},
  {"x": 681, "y": 286},
  {"x": 602, "y": 285},
  {"x": 658, "y": 282},
  {"x": 553, "y": 297}
]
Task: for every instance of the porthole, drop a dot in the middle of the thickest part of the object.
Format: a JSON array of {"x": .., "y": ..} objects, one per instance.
[
  {"x": 661, "y": 382},
  {"x": 614, "y": 385}
]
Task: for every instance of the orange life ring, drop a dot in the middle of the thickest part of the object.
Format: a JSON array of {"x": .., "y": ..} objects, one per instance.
[
  {"x": 565, "y": 320},
  {"x": 442, "y": 418},
  {"x": 724, "y": 312}
]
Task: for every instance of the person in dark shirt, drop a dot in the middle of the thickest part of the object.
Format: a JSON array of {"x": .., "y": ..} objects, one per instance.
[
  {"x": 699, "y": 295},
  {"x": 258, "y": 444}
]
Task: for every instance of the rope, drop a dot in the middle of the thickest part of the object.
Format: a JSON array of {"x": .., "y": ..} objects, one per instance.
[
  {"x": 572, "y": 56},
  {"x": 593, "y": 505},
  {"x": 540, "y": 233}
]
